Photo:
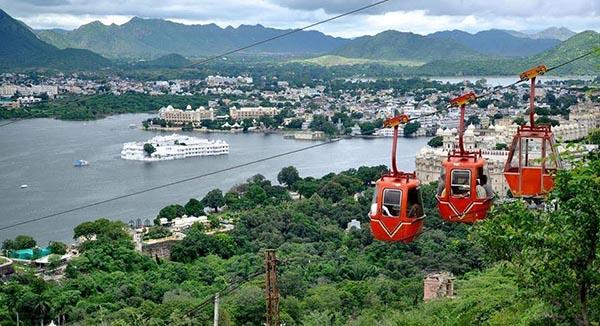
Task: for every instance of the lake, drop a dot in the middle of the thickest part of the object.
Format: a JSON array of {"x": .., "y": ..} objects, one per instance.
[
  {"x": 505, "y": 80},
  {"x": 41, "y": 152}
]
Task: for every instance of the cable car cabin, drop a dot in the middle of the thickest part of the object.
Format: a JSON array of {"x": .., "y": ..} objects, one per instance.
[
  {"x": 397, "y": 211},
  {"x": 464, "y": 194},
  {"x": 532, "y": 162}
]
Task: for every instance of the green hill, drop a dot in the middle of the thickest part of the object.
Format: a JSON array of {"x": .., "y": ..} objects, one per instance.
[
  {"x": 394, "y": 45},
  {"x": 20, "y": 48},
  {"x": 152, "y": 38},
  {"x": 172, "y": 60},
  {"x": 575, "y": 46}
]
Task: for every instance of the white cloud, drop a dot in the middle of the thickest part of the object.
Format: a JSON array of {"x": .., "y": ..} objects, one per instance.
[{"x": 421, "y": 17}]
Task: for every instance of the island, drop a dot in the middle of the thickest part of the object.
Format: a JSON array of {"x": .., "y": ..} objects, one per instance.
[{"x": 171, "y": 147}]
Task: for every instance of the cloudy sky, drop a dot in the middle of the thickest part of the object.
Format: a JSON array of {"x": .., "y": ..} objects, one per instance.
[{"x": 418, "y": 16}]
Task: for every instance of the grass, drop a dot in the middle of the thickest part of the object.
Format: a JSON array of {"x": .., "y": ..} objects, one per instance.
[{"x": 334, "y": 60}]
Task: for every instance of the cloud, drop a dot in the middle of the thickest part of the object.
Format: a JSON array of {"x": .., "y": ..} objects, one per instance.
[
  {"x": 421, "y": 17},
  {"x": 515, "y": 8}
]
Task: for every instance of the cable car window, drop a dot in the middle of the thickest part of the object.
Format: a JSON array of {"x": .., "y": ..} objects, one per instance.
[
  {"x": 532, "y": 155},
  {"x": 391, "y": 202},
  {"x": 460, "y": 183},
  {"x": 514, "y": 155},
  {"x": 415, "y": 203},
  {"x": 551, "y": 159},
  {"x": 374, "y": 202}
]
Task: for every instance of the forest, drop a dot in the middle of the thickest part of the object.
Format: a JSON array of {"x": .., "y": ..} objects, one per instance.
[{"x": 521, "y": 266}]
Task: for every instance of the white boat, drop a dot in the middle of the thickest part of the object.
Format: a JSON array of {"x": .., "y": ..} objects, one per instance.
[
  {"x": 174, "y": 147},
  {"x": 24, "y": 186},
  {"x": 132, "y": 126},
  {"x": 81, "y": 163}
]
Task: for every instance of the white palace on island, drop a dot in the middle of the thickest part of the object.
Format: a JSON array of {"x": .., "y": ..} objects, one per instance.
[
  {"x": 173, "y": 147},
  {"x": 582, "y": 120}
]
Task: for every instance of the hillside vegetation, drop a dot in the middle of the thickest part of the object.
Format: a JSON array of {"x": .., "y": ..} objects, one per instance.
[{"x": 520, "y": 266}]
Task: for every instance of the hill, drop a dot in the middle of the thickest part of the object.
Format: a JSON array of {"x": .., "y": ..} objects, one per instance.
[
  {"x": 394, "y": 45},
  {"x": 172, "y": 60},
  {"x": 557, "y": 33},
  {"x": 22, "y": 49},
  {"x": 152, "y": 38},
  {"x": 571, "y": 48},
  {"x": 499, "y": 43}
]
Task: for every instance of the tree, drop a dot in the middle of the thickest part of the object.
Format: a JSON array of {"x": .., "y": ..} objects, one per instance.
[
  {"x": 20, "y": 242},
  {"x": 436, "y": 141},
  {"x": 556, "y": 250},
  {"x": 410, "y": 128},
  {"x": 594, "y": 137},
  {"x": 333, "y": 191},
  {"x": 194, "y": 207},
  {"x": 172, "y": 211},
  {"x": 520, "y": 121},
  {"x": 473, "y": 120},
  {"x": 149, "y": 149},
  {"x": 214, "y": 199},
  {"x": 58, "y": 247},
  {"x": 307, "y": 187},
  {"x": 367, "y": 128},
  {"x": 501, "y": 146},
  {"x": 295, "y": 124},
  {"x": 288, "y": 176},
  {"x": 102, "y": 229}
]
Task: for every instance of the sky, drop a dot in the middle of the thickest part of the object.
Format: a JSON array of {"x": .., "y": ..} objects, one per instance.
[{"x": 417, "y": 16}]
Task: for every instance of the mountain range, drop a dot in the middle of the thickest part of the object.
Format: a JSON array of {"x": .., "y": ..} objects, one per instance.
[
  {"x": 151, "y": 38},
  {"x": 498, "y": 42},
  {"x": 20, "y": 47},
  {"x": 164, "y": 44},
  {"x": 557, "y": 33}
]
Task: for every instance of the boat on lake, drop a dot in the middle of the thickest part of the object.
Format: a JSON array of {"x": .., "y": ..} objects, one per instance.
[
  {"x": 173, "y": 147},
  {"x": 79, "y": 163}
]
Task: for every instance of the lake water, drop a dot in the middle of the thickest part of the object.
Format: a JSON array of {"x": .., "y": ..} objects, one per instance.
[
  {"x": 40, "y": 153},
  {"x": 504, "y": 80}
]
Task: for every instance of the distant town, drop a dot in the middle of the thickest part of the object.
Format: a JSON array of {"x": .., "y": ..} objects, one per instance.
[{"x": 338, "y": 108}]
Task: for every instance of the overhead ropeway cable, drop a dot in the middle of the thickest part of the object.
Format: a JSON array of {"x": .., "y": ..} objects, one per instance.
[
  {"x": 251, "y": 45},
  {"x": 168, "y": 184}
]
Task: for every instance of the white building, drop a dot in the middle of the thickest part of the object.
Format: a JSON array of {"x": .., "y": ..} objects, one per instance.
[
  {"x": 251, "y": 112},
  {"x": 188, "y": 115},
  {"x": 174, "y": 147}
]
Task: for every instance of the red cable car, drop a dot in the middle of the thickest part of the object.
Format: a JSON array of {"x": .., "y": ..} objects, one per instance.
[
  {"x": 532, "y": 159},
  {"x": 463, "y": 197},
  {"x": 397, "y": 211}
]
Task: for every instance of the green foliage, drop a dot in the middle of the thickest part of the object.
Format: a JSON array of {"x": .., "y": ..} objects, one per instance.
[
  {"x": 331, "y": 276},
  {"x": 520, "y": 121},
  {"x": 214, "y": 199},
  {"x": 321, "y": 123},
  {"x": 288, "y": 176},
  {"x": 594, "y": 137},
  {"x": 157, "y": 232},
  {"x": 149, "y": 148},
  {"x": 410, "y": 128},
  {"x": 436, "y": 141},
  {"x": 57, "y": 247},
  {"x": 170, "y": 212},
  {"x": 555, "y": 250},
  {"x": 20, "y": 242},
  {"x": 501, "y": 146},
  {"x": 367, "y": 128},
  {"x": 194, "y": 207},
  {"x": 198, "y": 244},
  {"x": 90, "y": 107}
]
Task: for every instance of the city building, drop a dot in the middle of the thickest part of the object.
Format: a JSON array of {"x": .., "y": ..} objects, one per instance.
[
  {"x": 438, "y": 285},
  {"x": 251, "y": 112},
  {"x": 188, "y": 115}
]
